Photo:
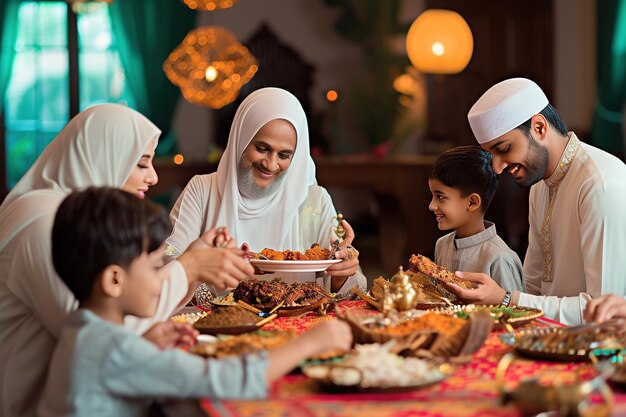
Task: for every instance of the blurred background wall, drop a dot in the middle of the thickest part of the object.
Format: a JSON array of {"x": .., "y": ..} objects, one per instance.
[{"x": 376, "y": 122}]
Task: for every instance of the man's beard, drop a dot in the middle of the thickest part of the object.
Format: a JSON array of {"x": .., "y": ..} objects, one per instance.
[
  {"x": 249, "y": 188},
  {"x": 536, "y": 164}
]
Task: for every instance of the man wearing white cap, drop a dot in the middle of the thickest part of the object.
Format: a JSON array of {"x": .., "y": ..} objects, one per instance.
[{"x": 577, "y": 237}]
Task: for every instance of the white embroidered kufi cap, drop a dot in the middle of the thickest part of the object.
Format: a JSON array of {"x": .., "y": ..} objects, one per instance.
[{"x": 504, "y": 107}]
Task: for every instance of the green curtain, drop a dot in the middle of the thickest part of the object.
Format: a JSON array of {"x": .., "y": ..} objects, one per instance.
[
  {"x": 608, "y": 124},
  {"x": 8, "y": 32},
  {"x": 146, "y": 31}
]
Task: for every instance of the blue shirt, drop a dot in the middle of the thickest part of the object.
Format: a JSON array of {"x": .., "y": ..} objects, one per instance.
[{"x": 102, "y": 369}]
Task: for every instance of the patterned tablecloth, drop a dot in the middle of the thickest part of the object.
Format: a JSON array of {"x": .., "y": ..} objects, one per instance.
[{"x": 469, "y": 391}]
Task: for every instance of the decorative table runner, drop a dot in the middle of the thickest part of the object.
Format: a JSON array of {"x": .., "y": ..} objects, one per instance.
[{"x": 469, "y": 391}]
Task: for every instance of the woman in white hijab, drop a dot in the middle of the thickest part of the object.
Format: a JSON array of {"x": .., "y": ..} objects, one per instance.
[
  {"x": 265, "y": 190},
  {"x": 106, "y": 145}
]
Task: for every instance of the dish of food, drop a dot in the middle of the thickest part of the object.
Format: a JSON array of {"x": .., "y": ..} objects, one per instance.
[
  {"x": 224, "y": 300},
  {"x": 612, "y": 365},
  {"x": 514, "y": 316},
  {"x": 565, "y": 343},
  {"x": 373, "y": 368},
  {"x": 427, "y": 295},
  {"x": 293, "y": 266},
  {"x": 228, "y": 320},
  {"x": 242, "y": 344},
  {"x": 266, "y": 295},
  {"x": 314, "y": 253},
  {"x": 189, "y": 318}
]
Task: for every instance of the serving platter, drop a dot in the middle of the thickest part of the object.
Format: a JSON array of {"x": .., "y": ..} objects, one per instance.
[
  {"x": 325, "y": 376},
  {"x": 242, "y": 344},
  {"x": 502, "y": 316},
  {"x": 563, "y": 344},
  {"x": 293, "y": 266},
  {"x": 239, "y": 329},
  {"x": 372, "y": 301},
  {"x": 188, "y": 318}
]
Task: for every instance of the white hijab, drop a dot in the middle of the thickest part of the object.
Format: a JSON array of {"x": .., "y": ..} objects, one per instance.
[
  {"x": 270, "y": 221},
  {"x": 98, "y": 147}
]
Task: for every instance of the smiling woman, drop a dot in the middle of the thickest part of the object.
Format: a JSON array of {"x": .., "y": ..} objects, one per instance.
[
  {"x": 266, "y": 159},
  {"x": 265, "y": 189}
]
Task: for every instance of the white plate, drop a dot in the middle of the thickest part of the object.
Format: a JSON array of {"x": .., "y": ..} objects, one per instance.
[{"x": 293, "y": 266}]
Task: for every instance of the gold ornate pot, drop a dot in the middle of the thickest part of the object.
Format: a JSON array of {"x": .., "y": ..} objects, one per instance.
[{"x": 402, "y": 294}]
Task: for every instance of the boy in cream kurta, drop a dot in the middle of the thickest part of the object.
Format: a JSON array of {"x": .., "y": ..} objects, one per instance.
[
  {"x": 463, "y": 184},
  {"x": 577, "y": 231}
]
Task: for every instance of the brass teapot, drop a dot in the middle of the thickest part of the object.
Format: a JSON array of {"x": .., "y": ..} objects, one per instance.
[
  {"x": 400, "y": 294},
  {"x": 533, "y": 397}
]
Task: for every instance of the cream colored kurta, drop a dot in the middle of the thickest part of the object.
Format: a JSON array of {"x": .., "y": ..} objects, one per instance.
[
  {"x": 100, "y": 146},
  {"x": 577, "y": 238},
  {"x": 314, "y": 226}
]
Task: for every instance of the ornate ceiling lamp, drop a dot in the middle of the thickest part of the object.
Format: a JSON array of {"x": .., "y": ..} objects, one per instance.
[
  {"x": 209, "y": 5},
  {"x": 210, "y": 67}
]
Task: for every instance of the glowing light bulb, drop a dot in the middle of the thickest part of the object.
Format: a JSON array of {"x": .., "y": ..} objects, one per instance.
[
  {"x": 332, "y": 95},
  {"x": 438, "y": 48},
  {"x": 210, "y": 74},
  {"x": 178, "y": 159}
]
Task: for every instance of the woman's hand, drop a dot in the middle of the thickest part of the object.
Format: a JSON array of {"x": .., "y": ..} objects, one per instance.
[
  {"x": 604, "y": 308},
  {"x": 170, "y": 334},
  {"x": 221, "y": 268},
  {"x": 350, "y": 263},
  {"x": 218, "y": 237},
  {"x": 486, "y": 292}
]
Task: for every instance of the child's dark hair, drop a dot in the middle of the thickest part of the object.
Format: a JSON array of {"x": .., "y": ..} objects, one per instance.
[
  {"x": 99, "y": 227},
  {"x": 468, "y": 169}
]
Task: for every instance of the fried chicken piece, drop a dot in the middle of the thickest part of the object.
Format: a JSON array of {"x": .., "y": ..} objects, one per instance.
[
  {"x": 294, "y": 256},
  {"x": 272, "y": 254},
  {"x": 267, "y": 294},
  {"x": 312, "y": 293},
  {"x": 317, "y": 253},
  {"x": 420, "y": 263},
  {"x": 422, "y": 285},
  {"x": 378, "y": 287},
  {"x": 260, "y": 293}
]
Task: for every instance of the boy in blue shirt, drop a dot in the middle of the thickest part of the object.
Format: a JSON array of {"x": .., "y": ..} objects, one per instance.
[
  {"x": 462, "y": 183},
  {"x": 107, "y": 246}
]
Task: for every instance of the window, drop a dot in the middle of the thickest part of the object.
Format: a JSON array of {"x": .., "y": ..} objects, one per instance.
[{"x": 39, "y": 96}]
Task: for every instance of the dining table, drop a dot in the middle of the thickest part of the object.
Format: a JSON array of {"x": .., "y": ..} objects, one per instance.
[{"x": 470, "y": 390}]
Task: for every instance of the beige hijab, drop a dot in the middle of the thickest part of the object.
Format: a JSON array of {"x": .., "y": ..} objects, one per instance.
[{"x": 98, "y": 147}]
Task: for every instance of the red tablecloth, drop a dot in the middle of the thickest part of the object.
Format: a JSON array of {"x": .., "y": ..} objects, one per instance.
[{"x": 469, "y": 391}]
